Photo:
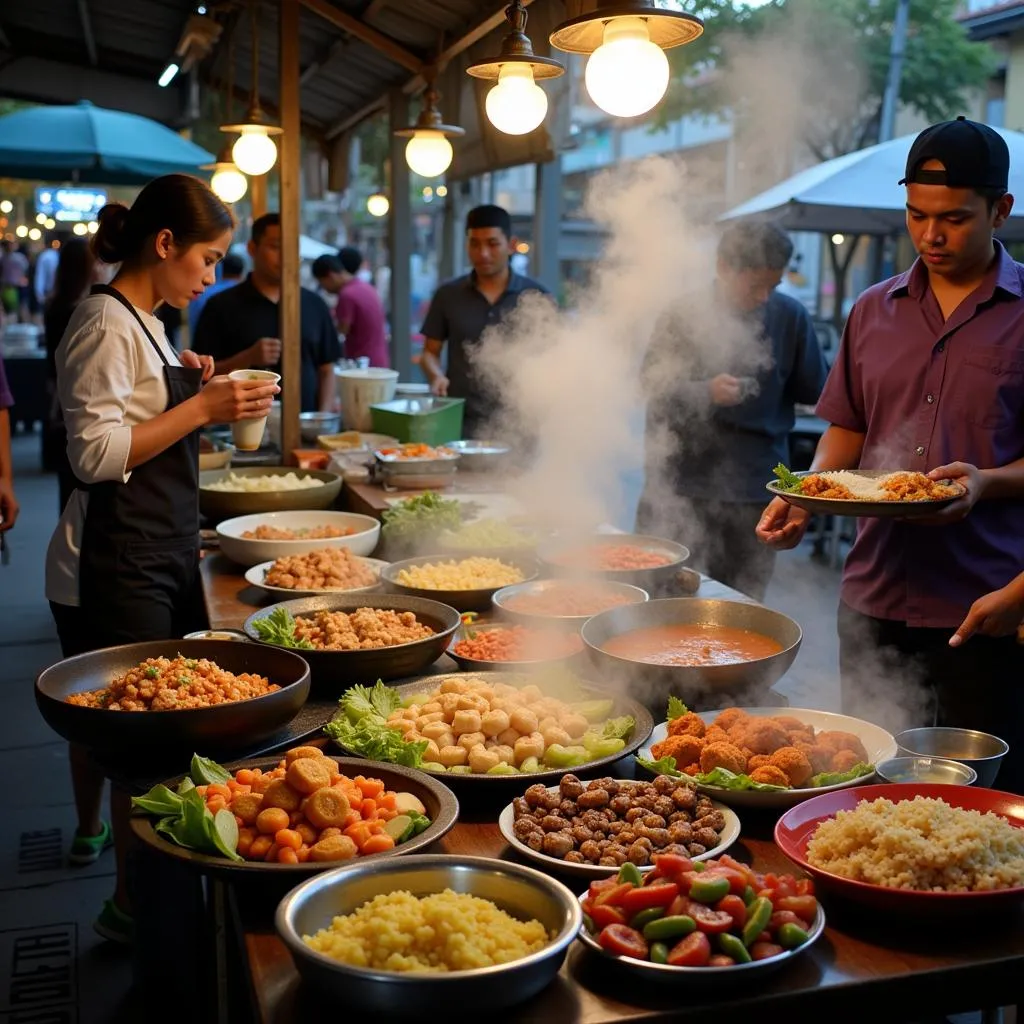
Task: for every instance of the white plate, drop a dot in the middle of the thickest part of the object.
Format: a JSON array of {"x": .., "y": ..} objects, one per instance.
[
  {"x": 249, "y": 551},
  {"x": 506, "y": 820},
  {"x": 257, "y": 573},
  {"x": 880, "y": 745}
]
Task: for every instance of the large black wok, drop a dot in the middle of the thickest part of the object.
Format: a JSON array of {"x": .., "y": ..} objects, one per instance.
[
  {"x": 334, "y": 671},
  {"x": 235, "y": 726}
]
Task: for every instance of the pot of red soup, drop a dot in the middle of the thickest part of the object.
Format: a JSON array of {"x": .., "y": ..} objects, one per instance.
[
  {"x": 651, "y": 563},
  {"x": 700, "y": 650},
  {"x": 563, "y": 604}
]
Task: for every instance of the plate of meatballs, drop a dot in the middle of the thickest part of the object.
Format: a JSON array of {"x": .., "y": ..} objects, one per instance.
[
  {"x": 590, "y": 829},
  {"x": 785, "y": 747}
]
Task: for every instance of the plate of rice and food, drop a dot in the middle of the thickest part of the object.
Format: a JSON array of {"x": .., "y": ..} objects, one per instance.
[
  {"x": 327, "y": 571},
  {"x": 871, "y": 493},
  {"x": 917, "y": 849},
  {"x": 765, "y": 757}
]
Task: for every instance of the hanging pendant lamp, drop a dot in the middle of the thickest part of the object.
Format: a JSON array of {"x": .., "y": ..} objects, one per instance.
[
  {"x": 429, "y": 153},
  {"x": 228, "y": 182}
]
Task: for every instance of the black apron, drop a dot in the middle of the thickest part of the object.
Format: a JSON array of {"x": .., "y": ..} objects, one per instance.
[{"x": 139, "y": 563}]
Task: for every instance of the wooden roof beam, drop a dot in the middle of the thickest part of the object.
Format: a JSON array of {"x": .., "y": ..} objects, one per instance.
[{"x": 353, "y": 26}]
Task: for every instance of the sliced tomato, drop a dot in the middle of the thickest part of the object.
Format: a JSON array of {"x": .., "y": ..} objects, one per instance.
[
  {"x": 622, "y": 940},
  {"x": 600, "y": 884},
  {"x": 693, "y": 951},
  {"x": 805, "y": 887},
  {"x": 714, "y": 922},
  {"x": 678, "y": 906},
  {"x": 661, "y": 894},
  {"x": 803, "y": 906},
  {"x": 737, "y": 879},
  {"x": 781, "y": 917},
  {"x": 764, "y": 950},
  {"x": 721, "y": 960},
  {"x": 613, "y": 895},
  {"x": 668, "y": 865},
  {"x": 735, "y": 908},
  {"x": 736, "y": 865},
  {"x": 602, "y": 915}
]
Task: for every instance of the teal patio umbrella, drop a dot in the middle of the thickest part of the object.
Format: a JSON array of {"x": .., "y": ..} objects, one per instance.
[{"x": 92, "y": 146}]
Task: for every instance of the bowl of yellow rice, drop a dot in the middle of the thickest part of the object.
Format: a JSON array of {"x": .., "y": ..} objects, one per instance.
[{"x": 401, "y": 935}]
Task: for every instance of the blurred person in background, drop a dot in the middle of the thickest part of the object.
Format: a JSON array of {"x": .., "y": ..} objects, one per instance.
[
  {"x": 718, "y": 421},
  {"x": 240, "y": 326},
  {"x": 359, "y": 313},
  {"x": 123, "y": 563},
  {"x": 14, "y": 268},
  {"x": 76, "y": 272},
  {"x": 930, "y": 378},
  {"x": 231, "y": 271},
  {"x": 8, "y": 502},
  {"x": 462, "y": 309},
  {"x": 44, "y": 278}
]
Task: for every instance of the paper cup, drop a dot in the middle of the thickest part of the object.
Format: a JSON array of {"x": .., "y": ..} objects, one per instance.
[{"x": 248, "y": 434}]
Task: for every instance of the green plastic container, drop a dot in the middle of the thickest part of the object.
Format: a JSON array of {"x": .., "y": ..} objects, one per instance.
[{"x": 419, "y": 420}]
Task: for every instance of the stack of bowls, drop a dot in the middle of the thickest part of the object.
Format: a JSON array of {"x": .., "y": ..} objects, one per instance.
[{"x": 980, "y": 751}]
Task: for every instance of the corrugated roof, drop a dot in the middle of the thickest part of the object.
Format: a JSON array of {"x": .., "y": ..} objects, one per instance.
[{"x": 135, "y": 39}]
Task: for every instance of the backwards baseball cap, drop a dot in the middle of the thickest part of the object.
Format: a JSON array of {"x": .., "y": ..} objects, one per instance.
[{"x": 973, "y": 155}]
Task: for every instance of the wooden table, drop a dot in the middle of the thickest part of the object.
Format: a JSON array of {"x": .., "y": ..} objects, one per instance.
[{"x": 861, "y": 969}]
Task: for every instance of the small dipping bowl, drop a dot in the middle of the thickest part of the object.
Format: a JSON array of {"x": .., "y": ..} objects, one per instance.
[
  {"x": 218, "y": 634},
  {"x": 978, "y": 750},
  {"x": 926, "y": 769}
]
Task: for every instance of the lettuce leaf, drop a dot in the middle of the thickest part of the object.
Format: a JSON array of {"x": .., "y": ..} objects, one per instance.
[
  {"x": 834, "y": 778},
  {"x": 788, "y": 480},
  {"x": 676, "y": 709},
  {"x": 361, "y": 701},
  {"x": 725, "y": 779},
  {"x": 663, "y": 766},
  {"x": 279, "y": 628},
  {"x": 371, "y": 738},
  {"x": 618, "y": 728}
]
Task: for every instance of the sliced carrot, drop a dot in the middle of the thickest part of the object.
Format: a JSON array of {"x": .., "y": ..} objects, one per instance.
[
  {"x": 260, "y": 846},
  {"x": 368, "y": 808},
  {"x": 387, "y": 800},
  {"x": 302, "y": 853},
  {"x": 377, "y": 844},
  {"x": 386, "y": 814},
  {"x": 369, "y": 787},
  {"x": 288, "y": 837},
  {"x": 272, "y": 853},
  {"x": 244, "y": 776},
  {"x": 376, "y": 826},
  {"x": 218, "y": 789},
  {"x": 352, "y": 817},
  {"x": 201, "y": 790},
  {"x": 358, "y": 833},
  {"x": 286, "y": 855},
  {"x": 217, "y": 802}
]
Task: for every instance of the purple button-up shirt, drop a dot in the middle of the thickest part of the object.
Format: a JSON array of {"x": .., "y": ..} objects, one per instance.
[{"x": 926, "y": 392}]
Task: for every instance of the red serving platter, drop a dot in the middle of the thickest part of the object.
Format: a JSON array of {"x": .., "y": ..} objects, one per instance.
[{"x": 797, "y": 825}]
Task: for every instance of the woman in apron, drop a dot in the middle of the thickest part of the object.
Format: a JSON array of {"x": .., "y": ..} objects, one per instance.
[{"x": 123, "y": 563}]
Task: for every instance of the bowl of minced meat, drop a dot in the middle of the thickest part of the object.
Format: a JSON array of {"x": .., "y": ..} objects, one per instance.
[
  {"x": 911, "y": 846},
  {"x": 397, "y": 936}
]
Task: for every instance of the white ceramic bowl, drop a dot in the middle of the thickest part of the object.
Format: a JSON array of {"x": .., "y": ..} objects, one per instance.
[
  {"x": 248, "y": 552},
  {"x": 257, "y": 574}
]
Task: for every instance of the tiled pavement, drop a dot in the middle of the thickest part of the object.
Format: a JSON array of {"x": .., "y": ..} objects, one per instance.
[{"x": 52, "y": 965}]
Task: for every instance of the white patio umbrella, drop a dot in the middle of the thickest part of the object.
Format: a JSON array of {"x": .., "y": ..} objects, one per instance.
[
  {"x": 310, "y": 248},
  {"x": 858, "y": 193}
]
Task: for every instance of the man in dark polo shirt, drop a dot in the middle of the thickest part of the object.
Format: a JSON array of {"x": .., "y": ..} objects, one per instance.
[
  {"x": 239, "y": 326},
  {"x": 930, "y": 377},
  {"x": 719, "y": 415},
  {"x": 463, "y": 308}
]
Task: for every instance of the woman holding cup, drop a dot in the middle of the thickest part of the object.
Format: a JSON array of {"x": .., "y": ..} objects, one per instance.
[{"x": 123, "y": 563}]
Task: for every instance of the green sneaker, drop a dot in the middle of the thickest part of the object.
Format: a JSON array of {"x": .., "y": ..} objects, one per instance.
[
  {"x": 114, "y": 924},
  {"x": 87, "y": 849}
]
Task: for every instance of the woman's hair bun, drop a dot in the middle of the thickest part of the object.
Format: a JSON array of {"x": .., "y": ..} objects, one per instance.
[{"x": 111, "y": 243}]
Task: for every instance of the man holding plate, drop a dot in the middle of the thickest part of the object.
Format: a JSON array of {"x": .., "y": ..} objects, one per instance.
[{"x": 930, "y": 377}]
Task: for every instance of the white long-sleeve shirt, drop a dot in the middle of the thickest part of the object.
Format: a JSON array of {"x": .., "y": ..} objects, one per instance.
[
  {"x": 109, "y": 378},
  {"x": 46, "y": 274}
]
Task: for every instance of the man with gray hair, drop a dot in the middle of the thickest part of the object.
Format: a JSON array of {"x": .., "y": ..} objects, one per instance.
[{"x": 721, "y": 392}]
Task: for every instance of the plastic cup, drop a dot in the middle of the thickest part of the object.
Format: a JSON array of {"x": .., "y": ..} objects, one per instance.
[{"x": 248, "y": 434}]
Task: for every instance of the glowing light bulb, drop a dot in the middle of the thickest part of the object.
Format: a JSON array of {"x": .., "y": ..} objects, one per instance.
[
  {"x": 838, "y": 239},
  {"x": 229, "y": 183},
  {"x": 517, "y": 104},
  {"x": 442, "y": 191},
  {"x": 429, "y": 153},
  {"x": 35, "y": 234},
  {"x": 6, "y": 206},
  {"x": 80, "y": 229},
  {"x": 21, "y": 231},
  {"x": 627, "y": 74},
  {"x": 254, "y": 153},
  {"x": 40, "y": 218},
  {"x": 93, "y": 227},
  {"x": 49, "y": 224},
  {"x": 378, "y": 205}
]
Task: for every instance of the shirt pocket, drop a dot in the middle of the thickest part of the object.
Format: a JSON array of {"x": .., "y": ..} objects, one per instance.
[{"x": 991, "y": 386}]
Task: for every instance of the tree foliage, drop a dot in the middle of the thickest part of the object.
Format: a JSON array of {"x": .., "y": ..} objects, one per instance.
[{"x": 833, "y": 54}]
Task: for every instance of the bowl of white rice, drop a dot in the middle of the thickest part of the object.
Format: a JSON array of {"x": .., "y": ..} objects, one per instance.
[
  {"x": 238, "y": 492},
  {"x": 920, "y": 849}
]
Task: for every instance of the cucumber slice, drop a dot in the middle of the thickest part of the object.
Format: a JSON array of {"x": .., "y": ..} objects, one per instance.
[
  {"x": 594, "y": 710},
  {"x": 399, "y": 827}
]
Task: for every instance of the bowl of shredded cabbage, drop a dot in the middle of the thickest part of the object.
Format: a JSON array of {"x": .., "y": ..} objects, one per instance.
[{"x": 238, "y": 492}]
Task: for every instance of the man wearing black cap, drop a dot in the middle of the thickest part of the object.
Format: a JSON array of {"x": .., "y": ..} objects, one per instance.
[
  {"x": 463, "y": 308},
  {"x": 930, "y": 377}
]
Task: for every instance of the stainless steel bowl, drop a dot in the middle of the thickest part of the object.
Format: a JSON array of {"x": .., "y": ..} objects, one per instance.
[
  {"x": 218, "y": 634},
  {"x": 699, "y": 686},
  {"x": 926, "y": 769},
  {"x": 313, "y": 424},
  {"x": 520, "y": 891},
  {"x": 505, "y": 601},
  {"x": 481, "y": 456},
  {"x": 978, "y": 750},
  {"x": 476, "y": 600},
  {"x": 557, "y": 557}
]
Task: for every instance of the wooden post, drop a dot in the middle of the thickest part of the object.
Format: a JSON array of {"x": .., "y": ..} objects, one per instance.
[
  {"x": 290, "y": 153},
  {"x": 258, "y": 195},
  {"x": 547, "y": 224},
  {"x": 400, "y": 240}
]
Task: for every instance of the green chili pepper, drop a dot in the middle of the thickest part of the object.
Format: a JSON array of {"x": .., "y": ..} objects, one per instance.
[
  {"x": 732, "y": 945},
  {"x": 749, "y": 895},
  {"x": 790, "y": 935},
  {"x": 709, "y": 890},
  {"x": 645, "y": 917},
  {"x": 758, "y": 915},
  {"x": 659, "y": 953},
  {"x": 629, "y": 872},
  {"x": 674, "y": 927}
]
